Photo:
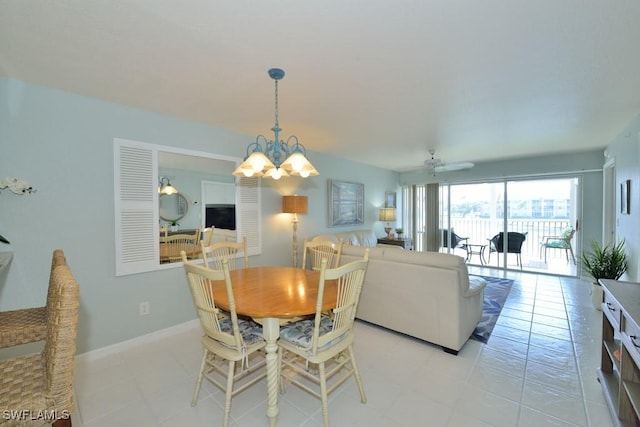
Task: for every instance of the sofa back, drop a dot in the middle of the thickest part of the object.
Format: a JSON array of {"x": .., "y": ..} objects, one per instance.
[
  {"x": 350, "y": 238},
  {"x": 396, "y": 258}
]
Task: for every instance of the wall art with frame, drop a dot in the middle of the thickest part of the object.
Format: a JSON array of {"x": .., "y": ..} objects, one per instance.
[
  {"x": 346, "y": 203},
  {"x": 390, "y": 199}
]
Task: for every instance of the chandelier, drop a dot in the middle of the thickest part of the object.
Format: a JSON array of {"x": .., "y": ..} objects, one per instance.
[{"x": 276, "y": 158}]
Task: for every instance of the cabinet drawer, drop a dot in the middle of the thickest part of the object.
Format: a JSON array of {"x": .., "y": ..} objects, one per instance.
[
  {"x": 632, "y": 331},
  {"x": 612, "y": 310}
]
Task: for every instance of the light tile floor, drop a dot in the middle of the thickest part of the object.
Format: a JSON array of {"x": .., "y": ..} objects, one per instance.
[{"x": 538, "y": 369}]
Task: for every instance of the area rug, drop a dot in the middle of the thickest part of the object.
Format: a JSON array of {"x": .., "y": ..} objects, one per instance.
[{"x": 495, "y": 294}]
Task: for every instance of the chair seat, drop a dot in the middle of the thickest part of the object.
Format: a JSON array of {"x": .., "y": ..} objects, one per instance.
[
  {"x": 23, "y": 326},
  {"x": 251, "y": 331},
  {"x": 557, "y": 244},
  {"x": 300, "y": 333}
]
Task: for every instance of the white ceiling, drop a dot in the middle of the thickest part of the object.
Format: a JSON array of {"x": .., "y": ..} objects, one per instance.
[{"x": 377, "y": 81}]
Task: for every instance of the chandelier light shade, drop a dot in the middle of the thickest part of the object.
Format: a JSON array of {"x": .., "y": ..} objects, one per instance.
[
  {"x": 166, "y": 187},
  {"x": 388, "y": 215},
  {"x": 276, "y": 158}
]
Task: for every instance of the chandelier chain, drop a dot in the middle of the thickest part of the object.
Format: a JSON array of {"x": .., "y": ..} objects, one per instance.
[{"x": 276, "y": 109}]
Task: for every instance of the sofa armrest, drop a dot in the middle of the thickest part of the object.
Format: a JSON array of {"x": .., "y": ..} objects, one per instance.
[{"x": 476, "y": 286}]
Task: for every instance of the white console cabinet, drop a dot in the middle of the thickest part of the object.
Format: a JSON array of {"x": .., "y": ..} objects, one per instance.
[{"x": 619, "y": 372}]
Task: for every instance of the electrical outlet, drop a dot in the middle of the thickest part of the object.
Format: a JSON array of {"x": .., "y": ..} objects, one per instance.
[{"x": 145, "y": 308}]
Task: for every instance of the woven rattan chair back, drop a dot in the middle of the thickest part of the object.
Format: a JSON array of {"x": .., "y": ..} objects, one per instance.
[
  {"x": 29, "y": 324},
  {"x": 214, "y": 254},
  {"x": 315, "y": 252},
  {"x": 43, "y": 382}
]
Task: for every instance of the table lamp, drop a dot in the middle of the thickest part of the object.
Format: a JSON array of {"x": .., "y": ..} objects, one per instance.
[
  {"x": 295, "y": 205},
  {"x": 387, "y": 214}
]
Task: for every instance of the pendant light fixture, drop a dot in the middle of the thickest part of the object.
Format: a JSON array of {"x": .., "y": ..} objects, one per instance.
[{"x": 276, "y": 158}]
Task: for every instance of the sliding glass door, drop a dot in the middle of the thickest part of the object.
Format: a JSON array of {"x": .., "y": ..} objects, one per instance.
[{"x": 528, "y": 224}]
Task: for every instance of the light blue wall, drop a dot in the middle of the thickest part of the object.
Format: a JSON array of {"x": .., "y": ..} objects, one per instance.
[
  {"x": 625, "y": 150},
  {"x": 62, "y": 144}
]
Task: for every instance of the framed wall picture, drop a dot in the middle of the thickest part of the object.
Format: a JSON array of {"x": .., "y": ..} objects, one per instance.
[
  {"x": 625, "y": 197},
  {"x": 390, "y": 199},
  {"x": 346, "y": 203}
]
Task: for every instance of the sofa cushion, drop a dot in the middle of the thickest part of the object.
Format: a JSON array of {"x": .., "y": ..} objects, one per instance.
[
  {"x": 350, "y": 238},
  {"x": 366, "y": 238}
]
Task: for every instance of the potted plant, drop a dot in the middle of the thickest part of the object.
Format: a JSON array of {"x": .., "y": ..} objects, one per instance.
[
  {"x": 608, "y": 262},
  {"x": 399, "y": 232}
]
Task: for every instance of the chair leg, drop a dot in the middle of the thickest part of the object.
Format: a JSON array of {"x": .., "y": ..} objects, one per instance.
[
  {"x": 572, "y": 256},
  {"x": 323, "y": 394},
  {"x": 229, "y": 394},
  {"x": 280, "y": 379},
  {"x": 203, "y": 367},
  {"x": 62, "y": 422},
  {"x": 356, "y": 373}
]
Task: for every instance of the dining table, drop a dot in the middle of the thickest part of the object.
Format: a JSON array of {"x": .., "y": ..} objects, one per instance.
[{"x": 269, "y": 295}]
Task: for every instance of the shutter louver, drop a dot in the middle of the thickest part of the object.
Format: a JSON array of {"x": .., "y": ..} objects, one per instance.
[
  {"x": 249, "y": 200},
  {"x": 136, "y": 245}
]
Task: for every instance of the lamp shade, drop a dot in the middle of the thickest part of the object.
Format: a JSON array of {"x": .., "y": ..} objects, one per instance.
[
  {"x": 387, "y": 214},
  {"x": 294, "y": 204}
]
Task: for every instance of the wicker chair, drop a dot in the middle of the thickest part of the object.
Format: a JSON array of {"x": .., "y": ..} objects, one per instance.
[
  {"x": 217, "y": 252},
  {"x": 29, "y": 324},
  {"x": 513, "y": 245},
  {"x": 37, "y": 389},
  {"x": 456, "y": 241},
  {"x": 227, "y": 342},
  {"x": 314, "y": 252},
  {"x": 323, "y": 341}
]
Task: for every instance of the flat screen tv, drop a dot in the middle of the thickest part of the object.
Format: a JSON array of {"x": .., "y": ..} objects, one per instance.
[{"x": 221, "y": 216}]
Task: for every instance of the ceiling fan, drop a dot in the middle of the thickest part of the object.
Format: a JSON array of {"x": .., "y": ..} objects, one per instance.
[{"x": 434, "y": 165}]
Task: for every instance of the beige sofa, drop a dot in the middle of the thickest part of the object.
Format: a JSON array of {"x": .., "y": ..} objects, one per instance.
[{"x": 426, "y": 295}]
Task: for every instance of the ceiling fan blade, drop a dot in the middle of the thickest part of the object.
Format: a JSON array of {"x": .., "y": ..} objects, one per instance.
[{"x": 449, "y": 167}]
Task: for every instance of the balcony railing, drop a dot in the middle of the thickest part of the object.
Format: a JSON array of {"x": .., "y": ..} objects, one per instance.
[{"x": 480, "y": 230}]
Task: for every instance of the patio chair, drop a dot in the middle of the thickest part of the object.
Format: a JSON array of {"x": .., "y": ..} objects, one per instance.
[
  {"x": 514, "y": 245},
  {"x": 559, "y": 242},
  {"x": 456, "y": 241}
]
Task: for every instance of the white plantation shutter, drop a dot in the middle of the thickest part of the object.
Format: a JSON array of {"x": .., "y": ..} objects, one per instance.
[
  {"x": 137, "y": 248},
  {"x": 249, "y": 213}
]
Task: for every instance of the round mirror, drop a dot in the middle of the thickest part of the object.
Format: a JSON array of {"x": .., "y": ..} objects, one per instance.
[{"x": 173, "y": 206}]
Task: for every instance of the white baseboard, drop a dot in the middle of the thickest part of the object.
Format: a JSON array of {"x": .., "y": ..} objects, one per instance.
[{"x": 134, "y": 342}]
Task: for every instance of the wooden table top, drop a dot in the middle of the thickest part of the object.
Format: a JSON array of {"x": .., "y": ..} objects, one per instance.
[{"x": 275, "y": 292}]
